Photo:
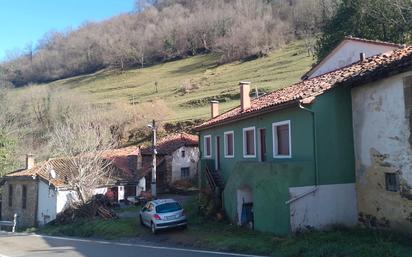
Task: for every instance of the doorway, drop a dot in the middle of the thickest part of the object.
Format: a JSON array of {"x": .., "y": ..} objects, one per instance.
[
  {"x": 262, "y": 145},
  {"x": 245, "y": 207}
]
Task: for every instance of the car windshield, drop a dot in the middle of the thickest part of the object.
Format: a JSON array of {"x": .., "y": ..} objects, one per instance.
[{"x": 168, "y": 207}]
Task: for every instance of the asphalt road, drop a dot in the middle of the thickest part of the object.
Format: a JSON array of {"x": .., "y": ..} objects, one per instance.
[{"x": 28, "y": 245}]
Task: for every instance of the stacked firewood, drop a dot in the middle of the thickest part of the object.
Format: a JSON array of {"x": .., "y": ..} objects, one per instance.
[{"x": 98, "y": 206}]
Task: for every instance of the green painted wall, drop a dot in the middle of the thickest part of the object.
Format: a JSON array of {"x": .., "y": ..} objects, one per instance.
[
  {"x": 301, "y": 130},
  {"x": 270, "y": 184},
  {"x": 336, "y": 155},
  {"x": 272, "y": 179}
]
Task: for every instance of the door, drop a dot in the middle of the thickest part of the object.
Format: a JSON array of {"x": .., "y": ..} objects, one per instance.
[
  {"x": 120, "y": 193},
  {"x": 262, "y": 144},
  {"x": 217, "y": 159}
]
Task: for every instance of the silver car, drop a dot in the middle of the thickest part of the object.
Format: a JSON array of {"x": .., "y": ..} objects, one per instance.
[{"x": 162, "y": 214}]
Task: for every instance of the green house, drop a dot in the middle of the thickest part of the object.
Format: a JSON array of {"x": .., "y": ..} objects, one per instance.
[{"x": 283, "y": 161}]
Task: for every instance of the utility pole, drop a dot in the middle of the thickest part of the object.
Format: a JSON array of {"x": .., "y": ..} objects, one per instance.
[{"x": 154, "y": 164}]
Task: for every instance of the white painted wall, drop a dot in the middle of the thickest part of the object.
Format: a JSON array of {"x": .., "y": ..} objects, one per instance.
[
  {"x": 190, "y": 160},
  {"x": 51, "y": 202},
  {"x": 141, "y": 186},
  {"x": 47, "y": 204},
  {"x": 100, "y": 191},
  {"x": 64, "y": 199},
  {"x": 379, "y": 122},
  {"x": 381, "y": 136},
  {"x": 329, "y": 205},
  {"x": 348, "y": 53}
]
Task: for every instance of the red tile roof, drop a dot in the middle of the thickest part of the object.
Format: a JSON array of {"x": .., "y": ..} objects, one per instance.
[
  {"x": 65, "y": 168},
  {"x": 171, "y": 143},
  {"x": 371, "y": 69},
  {"x": 121, "y": 159}
]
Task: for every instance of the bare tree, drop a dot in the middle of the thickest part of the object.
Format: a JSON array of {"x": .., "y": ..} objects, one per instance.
[
  {"x": 161, "y": 30},
  {"x": 83, "y": 142}
]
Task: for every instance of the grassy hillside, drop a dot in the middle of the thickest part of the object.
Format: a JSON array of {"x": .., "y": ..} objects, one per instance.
[{"x": 204, "y": 80}]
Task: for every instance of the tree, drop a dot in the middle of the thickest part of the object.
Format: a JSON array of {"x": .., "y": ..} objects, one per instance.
[
  {"x": 7, "y": 145},
  {"x": 7, "y": 141},
  {"x": 385, "y": 20},
  {"x": 83, "y": 141}
]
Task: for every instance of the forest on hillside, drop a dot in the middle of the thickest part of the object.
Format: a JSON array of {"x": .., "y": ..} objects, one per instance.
[
  {"x": 158, "y": 31},
  {"x": 51, "y": 121},
  {"x": 161, "y": 30}
]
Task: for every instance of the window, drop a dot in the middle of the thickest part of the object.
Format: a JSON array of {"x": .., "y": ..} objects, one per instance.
[
  {"x": 184, "y": 173},
  {"x": 208, "y": 146},
  {"x": 24, "y": 196},
  {"x": 183, "y": 153},
  {"x": 10, "y": 195},
  {"x": 281, "y": 140},
  {"x": 229, "y": 144},
  {"x": 249, "y": 142},
  {"x": 392, "y": 182}
]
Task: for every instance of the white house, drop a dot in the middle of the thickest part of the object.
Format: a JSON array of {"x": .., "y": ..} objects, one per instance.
[
  {"x": 177, "y": 159},
  {"x": 349, "y": 51},
  {"x": 40, "y": 191}
]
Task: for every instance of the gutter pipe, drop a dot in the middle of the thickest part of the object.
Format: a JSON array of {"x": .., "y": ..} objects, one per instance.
[{"x": 315, "y": 153}]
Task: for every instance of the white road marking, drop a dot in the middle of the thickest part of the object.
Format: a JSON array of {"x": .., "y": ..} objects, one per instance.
[
  {"x": 2, "y": 255},
  {"x": 143, "y": 246}
]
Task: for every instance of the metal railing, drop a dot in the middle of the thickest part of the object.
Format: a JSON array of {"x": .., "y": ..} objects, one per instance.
[{"x": 210, "y": 179}]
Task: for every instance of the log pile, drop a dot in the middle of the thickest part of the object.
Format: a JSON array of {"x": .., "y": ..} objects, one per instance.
[{"x": 98, "y": 206}]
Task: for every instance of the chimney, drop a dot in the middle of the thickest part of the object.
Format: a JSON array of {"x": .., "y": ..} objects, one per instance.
[
  {"x": 362, "y": 57},
  {"x": 29, "y": 161},
  {"x": 244, "y": 95},
  {"x": 214, "y": 107}
]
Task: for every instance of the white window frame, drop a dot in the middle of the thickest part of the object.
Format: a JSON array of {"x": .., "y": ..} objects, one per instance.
[
  {"x": 244, "y": 142},
  {"x": 275, "y": 139},
  {"x": 233, "y": 144},
  {"x": 205, "y": 146}
]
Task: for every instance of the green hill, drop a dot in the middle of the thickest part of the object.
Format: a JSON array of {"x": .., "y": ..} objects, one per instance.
[{"x": 187, "y": 86}]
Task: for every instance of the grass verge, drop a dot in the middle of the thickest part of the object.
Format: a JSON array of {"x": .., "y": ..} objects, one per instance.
[
  {"x": 222, "y": 236},
  {"x": 99, "y": 228}
]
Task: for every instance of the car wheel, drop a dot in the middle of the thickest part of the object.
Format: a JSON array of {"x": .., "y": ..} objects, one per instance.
[
  {"x": 141, "y": 220},
  {"x": 153, "y": 227}
]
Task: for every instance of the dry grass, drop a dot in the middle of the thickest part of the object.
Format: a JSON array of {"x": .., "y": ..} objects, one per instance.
[{"x": 207, "y": 79}]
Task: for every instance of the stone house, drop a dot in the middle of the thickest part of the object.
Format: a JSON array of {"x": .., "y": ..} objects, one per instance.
[
  {"x": 177, "y": 159},
  {"x": 319, "y": 152},
  {"x": 39, "y": 192}
]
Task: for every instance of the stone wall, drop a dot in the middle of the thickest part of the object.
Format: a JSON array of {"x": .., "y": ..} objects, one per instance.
[
  {"x": 26, "y": 216},
  {"x": 190, "y": 160}
]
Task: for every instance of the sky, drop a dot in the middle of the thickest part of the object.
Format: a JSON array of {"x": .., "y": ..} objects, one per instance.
[{"x": 25, "y": 21}]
